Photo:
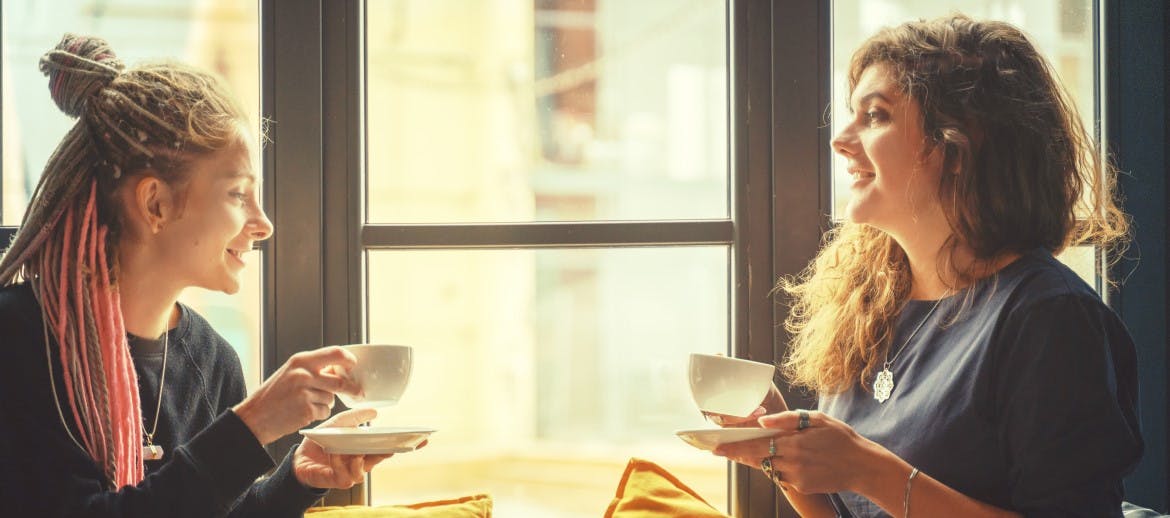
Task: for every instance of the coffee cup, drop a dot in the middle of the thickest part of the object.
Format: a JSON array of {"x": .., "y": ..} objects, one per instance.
[
  {"x": 382, "y": 371},
  {"x": 728, "y": 386}
]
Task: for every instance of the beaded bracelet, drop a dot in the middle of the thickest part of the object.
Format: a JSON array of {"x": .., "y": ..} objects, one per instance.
[{"x": 906, "y": 500}]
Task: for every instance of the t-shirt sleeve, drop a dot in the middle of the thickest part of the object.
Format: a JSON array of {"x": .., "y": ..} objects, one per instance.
[{"x": 1066, "y": 393}]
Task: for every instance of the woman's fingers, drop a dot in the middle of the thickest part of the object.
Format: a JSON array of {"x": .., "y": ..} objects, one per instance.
[
  {"x": 749, "y": 453},
  {"x": 373, "y": 460},
  {"x": 730, "y": 421},
  {"x": 350, "y": 418},
  {"x": 791, "y": 420}
]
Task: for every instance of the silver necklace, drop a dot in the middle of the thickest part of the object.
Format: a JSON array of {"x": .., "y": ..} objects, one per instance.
[
  {"x": 151, "y": 451},
  {"x": 883, "y": 384}
]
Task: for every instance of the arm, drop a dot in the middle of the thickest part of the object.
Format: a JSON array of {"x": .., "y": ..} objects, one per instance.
[
  {"x": 279, "y": 494},
  {"x": 200, "y": 479},
  {"x": 885, "y": 478},
  {"x": 829, "y": 456},
  {"x": 1065, "y": 398}
]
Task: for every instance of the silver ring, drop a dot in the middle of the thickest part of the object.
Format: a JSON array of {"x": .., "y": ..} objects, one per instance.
[
  {"x": 771, "y": 446},
  {"x": 803, "y": 423}
]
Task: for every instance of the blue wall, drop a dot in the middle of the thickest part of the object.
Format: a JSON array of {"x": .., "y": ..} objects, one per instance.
[{"x": 1136, "y": 111}]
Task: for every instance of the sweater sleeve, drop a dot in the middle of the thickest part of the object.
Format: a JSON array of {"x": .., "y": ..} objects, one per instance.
[
  {"x": 278, "y": 495},
  {"x": 1068, "y": 404},
  {"x": 201, "y": 479}
]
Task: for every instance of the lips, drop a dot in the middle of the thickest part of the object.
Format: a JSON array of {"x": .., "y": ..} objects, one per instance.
[{"x": 237, "y": 254}]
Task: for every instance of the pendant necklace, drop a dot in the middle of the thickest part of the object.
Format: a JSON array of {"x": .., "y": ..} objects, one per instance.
[
  {"x": 883, "y": 384},
  {"x": 150, "y": 450}
]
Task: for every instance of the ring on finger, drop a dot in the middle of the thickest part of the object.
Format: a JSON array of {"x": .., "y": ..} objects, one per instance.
[
  {"x": 769, "y": 470},
  {"x": 803, "y": 423},
  {"x": 771, "y": 446}
]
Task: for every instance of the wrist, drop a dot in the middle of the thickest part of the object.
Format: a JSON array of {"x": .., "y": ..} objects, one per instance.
[
  {"x": 249, "y": 418},
  {"x": 880, "y": 471}
]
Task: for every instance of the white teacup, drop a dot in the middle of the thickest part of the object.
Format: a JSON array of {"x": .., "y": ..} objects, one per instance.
[
  {"x": 729, "y": 386},
  {"x": 382, "y": 372}
]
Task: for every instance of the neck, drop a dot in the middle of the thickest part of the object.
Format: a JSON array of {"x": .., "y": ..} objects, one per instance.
[
  {"x": 148, "y": 299},
  {"x": 935, "y": 273}
]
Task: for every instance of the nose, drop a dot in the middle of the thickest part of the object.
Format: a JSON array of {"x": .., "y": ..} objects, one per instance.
[
  {"x": 259, "y": 226},
  {"x": 845, "y": 142}
]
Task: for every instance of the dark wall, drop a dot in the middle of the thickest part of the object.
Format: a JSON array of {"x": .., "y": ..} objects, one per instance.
[{"x": 1136, "y": 130}]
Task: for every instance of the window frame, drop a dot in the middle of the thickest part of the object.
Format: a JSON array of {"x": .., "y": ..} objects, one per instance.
[{"x": 313, "y": 295}]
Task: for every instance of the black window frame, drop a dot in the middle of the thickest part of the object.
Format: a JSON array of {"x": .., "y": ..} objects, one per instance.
[{"x": 779, "y": 68}]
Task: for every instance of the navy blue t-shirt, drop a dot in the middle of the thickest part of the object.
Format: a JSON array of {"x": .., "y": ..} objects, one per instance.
[{"x": 1026, "y": 400}]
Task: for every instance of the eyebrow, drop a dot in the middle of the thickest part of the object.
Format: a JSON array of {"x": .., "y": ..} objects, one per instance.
[
  {"x": 231, "y": 175},
  {"x": 872, "y": 95}
]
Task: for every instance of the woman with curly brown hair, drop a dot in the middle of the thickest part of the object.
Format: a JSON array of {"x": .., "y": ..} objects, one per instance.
[
  {"x": 118, "y": 400},
  {"x": 961, "y": 369}
]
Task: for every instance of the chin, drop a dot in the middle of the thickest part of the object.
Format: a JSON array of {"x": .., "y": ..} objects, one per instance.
[{"x": 230, "y": 286}]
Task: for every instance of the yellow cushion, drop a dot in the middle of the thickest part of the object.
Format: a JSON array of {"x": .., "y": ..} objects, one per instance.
[
  {"x": 648, "y": 491},
  {"x": 474, "y": 506}
]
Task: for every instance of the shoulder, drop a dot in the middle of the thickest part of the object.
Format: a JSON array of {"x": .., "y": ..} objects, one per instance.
[
  {"x": 1037, "y": 281},
  {"x": 20, "y": 314},
  {"x": 22, "y": 335},
  {"x": 17, "y": 300}
]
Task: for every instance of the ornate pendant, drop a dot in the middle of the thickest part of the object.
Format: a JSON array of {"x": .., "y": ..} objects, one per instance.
[
  {"x": 883, "y": 385},
  {"x": 152, "y": 452}
]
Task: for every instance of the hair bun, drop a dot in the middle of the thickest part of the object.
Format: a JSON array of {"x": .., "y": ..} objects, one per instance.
[{"x": 78, "y": 68}]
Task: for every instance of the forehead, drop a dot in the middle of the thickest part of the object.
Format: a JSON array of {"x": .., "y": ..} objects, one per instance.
[
  {"x": 231, "y": 162},
  {"x": 876, "y": 78}
]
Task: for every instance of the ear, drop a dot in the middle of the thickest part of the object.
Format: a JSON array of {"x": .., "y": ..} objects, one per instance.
[{"x": 153, "y": 203}]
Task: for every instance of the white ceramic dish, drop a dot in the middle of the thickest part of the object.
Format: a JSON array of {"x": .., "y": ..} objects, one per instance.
[
  {"x": 368, "y": 440},
  {"x": 709, "y": 438},
  {"x": 729, "y": 386}
]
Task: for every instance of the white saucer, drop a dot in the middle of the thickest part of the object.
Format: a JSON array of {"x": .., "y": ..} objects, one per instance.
[
  {"x": 368, "y": 440},
  {"x": 710, "y": 438}
]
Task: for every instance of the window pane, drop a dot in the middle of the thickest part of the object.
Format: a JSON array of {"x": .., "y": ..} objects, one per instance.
[
  {"x": 1061, "y": 29},
  {"x": 1083, "y": 260},
  {"x": 547, "y": 110},
  {"x": 219, "y": 35},
  {"x": 545, "y": 371}
]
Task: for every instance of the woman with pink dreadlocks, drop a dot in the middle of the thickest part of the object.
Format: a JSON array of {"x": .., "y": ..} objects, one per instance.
[{"x": 118, "y": 400}]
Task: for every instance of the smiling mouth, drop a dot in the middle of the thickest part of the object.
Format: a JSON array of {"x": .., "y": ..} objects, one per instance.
[
  {"x": 861, "y": 175},
  {"x": 238, "y": 254}
]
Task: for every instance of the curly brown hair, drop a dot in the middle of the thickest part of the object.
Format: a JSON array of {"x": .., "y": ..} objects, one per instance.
[{"x": 1029, "y": 176}]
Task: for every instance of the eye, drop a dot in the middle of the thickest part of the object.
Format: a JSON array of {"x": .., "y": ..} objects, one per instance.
[
  {"x": 242, "y": 197},
  {"x": 874, "y": 117}
]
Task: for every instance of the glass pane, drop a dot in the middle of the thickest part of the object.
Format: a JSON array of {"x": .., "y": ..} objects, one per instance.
[
  {"x": 545, "y": 371},
  {"x": 549, "y": 110},
  {"x": 219, "y": 35},
  {"x": 1061, "y": 29},
  {"x": 1083, "y": 260}
]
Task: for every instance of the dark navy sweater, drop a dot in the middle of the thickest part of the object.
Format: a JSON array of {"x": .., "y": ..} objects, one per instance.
[
  {"x": 1025, "y": 399},
  {"x": 212, "y": 461}
]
